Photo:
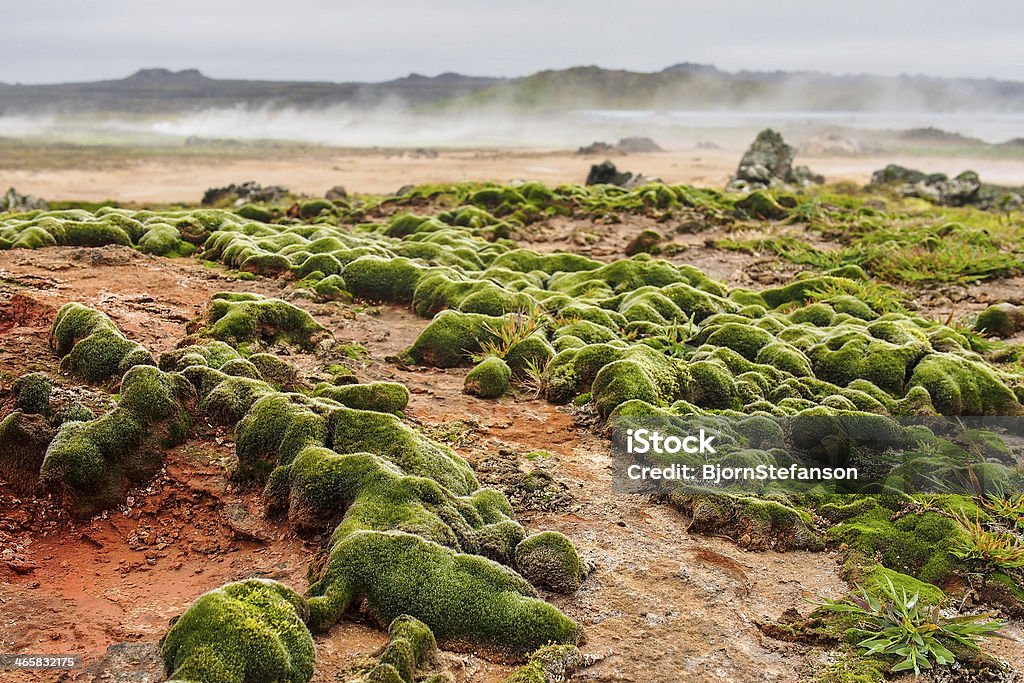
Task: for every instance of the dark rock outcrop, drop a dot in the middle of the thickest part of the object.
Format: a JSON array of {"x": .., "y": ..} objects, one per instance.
[
  {"x": 965, "y": 189},
  {"x": 631, "y": 145},
  {"x": 606, "y": 173},
  {"x": 768, "y": 163},
  {"x": 249, "y": 192},
  {"x": 13, "y": 200}
]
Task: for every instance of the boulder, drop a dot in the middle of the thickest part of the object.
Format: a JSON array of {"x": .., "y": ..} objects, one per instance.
[
  {"x": 606, "y": 173},
  {"x": 768, "y": 163},
  {"x": 965, "y": 189},
  {"x": 249, "y": 192},
  {"x": 13, "y": 200},
  {"x": 336, "y": 193}
]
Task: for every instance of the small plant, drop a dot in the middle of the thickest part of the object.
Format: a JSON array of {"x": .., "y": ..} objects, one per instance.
[
  {"x": 1000, "y": 549},
  {"x": 513, "y": 329},
  {"x": 536, "y": 380},
  {"x": 898, "y": 625},
  {"x": 1008, "y": 508}
]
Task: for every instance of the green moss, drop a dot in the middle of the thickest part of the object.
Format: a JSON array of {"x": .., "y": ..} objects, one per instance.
[
  {"x": 254, "y": 212},
  {"x": 757, "y": 523},
  {"x": 89, "y": 464},
  {"x": 410, "y": 646},
  {"x": 530, "y": 354},
  {"x": 711, "y": 385},
  {"x": 314, "y": 207},
  {"x": 273, "y": 432},
  {"x": 164, "y": 240},
  {"x": 452, "y": 338},
  {"x": 383, "y": 397},
  {"x": 383, "y": 279},
  {"x": 241, "y": 367},
  {"x": 875, "y": 581},
  {"x": 960, "y": 386},
  {"x": 385, "y": 435},
  {"x": 91, "y": 346},
  {"x": 1001, "y": 320},
  {"x": 760, "y": 204},
  {"x": 32, "y": 393},
  {"x": 471, "y": 599},
  {"x": 279, "y": 373},
  {"x": 227, "y": 399},
  {"x": 251, "y": 631},
  {"x": 549, "y": 560},
  {"x": 746, "y": 340},
  {"x": 489, "y": 379},
  {"x": 850, "y": 354},
  {"x": 332, "y": 288},
  {"x": 917, "y": 544},
  {"x": 260, "y": 319}
]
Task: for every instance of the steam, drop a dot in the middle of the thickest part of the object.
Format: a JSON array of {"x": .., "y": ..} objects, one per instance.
[{"x": 393, "y": 125}]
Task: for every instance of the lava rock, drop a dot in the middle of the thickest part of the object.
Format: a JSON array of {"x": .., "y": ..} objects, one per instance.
[
  {"x": 14, "y": 201},
  {"x": 768, "y": 163}
]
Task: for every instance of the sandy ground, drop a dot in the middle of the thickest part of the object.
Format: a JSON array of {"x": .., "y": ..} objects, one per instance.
[{"x": 371, "y": 171}]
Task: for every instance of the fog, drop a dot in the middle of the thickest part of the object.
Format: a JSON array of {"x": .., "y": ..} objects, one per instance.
[{"x": 394, "y": 126}]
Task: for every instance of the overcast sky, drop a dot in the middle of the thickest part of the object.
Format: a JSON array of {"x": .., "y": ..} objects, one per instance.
[{"x": 337, "y": 40}]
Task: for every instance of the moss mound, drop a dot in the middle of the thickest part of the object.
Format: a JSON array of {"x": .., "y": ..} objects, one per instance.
[
  {"x": 549, "y": 560},
  {"x": 472, "y": 599},
  {"x": 91, "y": 346},
  {"x": 382, "y": 397},
  {"x": 251, "y": 631},
  {"x": 243, "y": 318},
  {"x": 489, "y": 379},
  {"x": 24, "y": 438},
  {"x": 89, "y": 464},
  {"x": 32, "y": 393}
]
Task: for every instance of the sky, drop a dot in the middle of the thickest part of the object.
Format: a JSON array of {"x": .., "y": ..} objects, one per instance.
[{"x": 47, "y": 41}]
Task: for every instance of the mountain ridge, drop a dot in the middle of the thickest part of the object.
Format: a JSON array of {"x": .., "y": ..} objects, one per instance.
[{"x": 685, "y": 85}]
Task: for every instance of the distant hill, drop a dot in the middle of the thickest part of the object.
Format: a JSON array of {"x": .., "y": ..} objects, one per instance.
[
  {"x": 697, "y": 86},
  {"x": 683, "y": 86},
  {"x": 157, "y": 91}
]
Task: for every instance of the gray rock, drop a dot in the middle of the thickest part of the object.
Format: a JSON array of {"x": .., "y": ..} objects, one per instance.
[
  {"x": 249, "y": 192},
  {"x": 336, "y": 193},
  {"x": 768, "y": 163},
  {"x": 17, "y": 202}
]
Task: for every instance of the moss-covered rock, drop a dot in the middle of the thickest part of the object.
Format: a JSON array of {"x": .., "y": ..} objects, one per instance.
[
  {"x": 24, "y": 438},
  {"x": 89, "y": 464},
  {"x": 32, "y": 393},
  {"x": 274, "y": 431},
  {"x": 549, "y": 560},
  {"x": 385, "y": 435},
  {"x": 238, "y": 318},
  {"x": 919, "y": 544},
  {"x": 489, "y": 379},
  {"x": 411, "y": 646},
  {"x": 383, "y": 397},
  {"x": 962, "y": 386},
  {"x": 471, "y": 599},
  {"x": 251, "y": 631},
  {"x": 760, "y": 204},
  {"x": 452, "y": 338},
  {"x": 1001, "y": 320},
  {"x": 91, "y": 346}
]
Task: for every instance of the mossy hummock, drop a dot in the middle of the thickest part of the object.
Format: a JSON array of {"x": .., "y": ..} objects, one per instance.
[{"x": 251, "y": 631}]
